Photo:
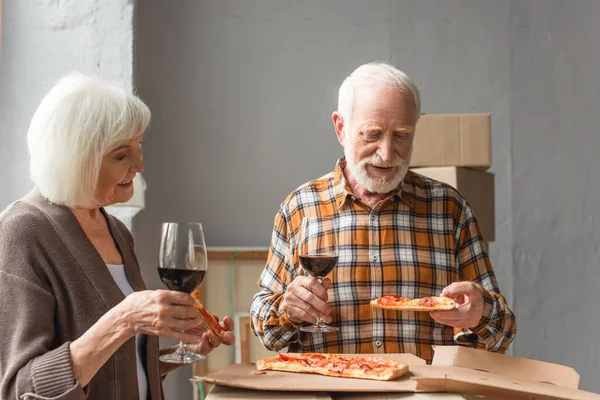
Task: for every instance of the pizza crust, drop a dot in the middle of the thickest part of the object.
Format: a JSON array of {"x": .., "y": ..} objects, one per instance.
[
  {"x": 413, "y": 307},
  {"x": 389, "y": 373},
  {"x": 207, "y": 317}
]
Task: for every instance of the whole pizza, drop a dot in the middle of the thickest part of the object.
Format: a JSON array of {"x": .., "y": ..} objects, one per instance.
[{"x": 339, "y": 365}]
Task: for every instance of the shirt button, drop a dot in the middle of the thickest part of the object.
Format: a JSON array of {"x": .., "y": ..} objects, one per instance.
[
  {"x": 372, "y": 218},
  {"x": 378, "y": 343},
  {"x": 353, "y": 198},
  {"x": 374, "y": 258}
]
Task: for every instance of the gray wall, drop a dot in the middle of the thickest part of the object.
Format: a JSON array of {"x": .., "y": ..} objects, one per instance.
[
  {"x": 555, "y": 105},
  {"x": 242, "y": 106},
  {"x": 41, "y": 41}
]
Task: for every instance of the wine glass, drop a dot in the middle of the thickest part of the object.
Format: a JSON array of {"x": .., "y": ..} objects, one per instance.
[
  {"x": 318, "y": 255},
  {"x": 182, "y": 264}
]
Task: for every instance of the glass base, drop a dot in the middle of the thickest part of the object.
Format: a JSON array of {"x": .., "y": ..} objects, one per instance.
[
  {"x": 182, "y": 357},
  {"x": 319, "y": 328}
]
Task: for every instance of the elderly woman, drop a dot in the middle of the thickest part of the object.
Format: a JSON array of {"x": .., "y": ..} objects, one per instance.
[{"x": 71, "y": 327}]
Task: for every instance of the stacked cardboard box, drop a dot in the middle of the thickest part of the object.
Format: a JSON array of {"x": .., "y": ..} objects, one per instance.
[{"x": 456, "y": 149}]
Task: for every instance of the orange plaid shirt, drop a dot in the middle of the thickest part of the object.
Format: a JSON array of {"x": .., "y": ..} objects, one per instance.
[{"x": 413, "y": 244}]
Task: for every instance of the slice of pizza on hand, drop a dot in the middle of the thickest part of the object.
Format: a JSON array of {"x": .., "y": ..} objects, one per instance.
[
  {"x": 211, "y": 321},
  {"x": 433, "y": 303},
  {"x": 338, "y": 365}
]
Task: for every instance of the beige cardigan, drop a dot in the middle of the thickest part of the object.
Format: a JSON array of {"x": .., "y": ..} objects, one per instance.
[{"x": 53, "y": 287}]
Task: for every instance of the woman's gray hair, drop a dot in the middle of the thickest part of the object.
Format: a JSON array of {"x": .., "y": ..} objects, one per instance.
[
  {"x": 376, "y": 74},
  {"x": 80, "y": 120}
]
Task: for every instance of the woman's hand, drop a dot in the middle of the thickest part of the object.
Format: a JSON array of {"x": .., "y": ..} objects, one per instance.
[
  {"x": 210, "y": 340},
  {"x": 161, "y": 313}
]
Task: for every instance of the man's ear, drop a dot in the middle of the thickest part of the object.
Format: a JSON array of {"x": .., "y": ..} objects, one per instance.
[{"x": 338, "y": 124}]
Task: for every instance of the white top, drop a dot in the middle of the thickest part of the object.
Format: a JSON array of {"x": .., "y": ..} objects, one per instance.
[{"x": 118, "y": 274}]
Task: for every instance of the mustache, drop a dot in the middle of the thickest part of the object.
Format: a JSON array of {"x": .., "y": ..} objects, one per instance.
[{"x": 376, "y": 161}]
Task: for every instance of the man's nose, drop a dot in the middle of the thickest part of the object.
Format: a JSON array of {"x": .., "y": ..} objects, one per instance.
[{"x": 386, "y": 151}]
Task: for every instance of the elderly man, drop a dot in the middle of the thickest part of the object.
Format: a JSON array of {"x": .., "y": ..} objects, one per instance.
[{"x": 410, "y": 236}]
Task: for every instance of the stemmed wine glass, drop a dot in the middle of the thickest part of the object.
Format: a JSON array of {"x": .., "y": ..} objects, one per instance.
[
  {"x": 318, "y": 254},
  {"x": 182, "y": 263}
]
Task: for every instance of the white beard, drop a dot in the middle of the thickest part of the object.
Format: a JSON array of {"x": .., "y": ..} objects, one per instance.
[{"x": 375, "y": 185}]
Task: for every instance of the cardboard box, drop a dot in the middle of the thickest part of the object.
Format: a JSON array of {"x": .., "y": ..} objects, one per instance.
[
  {"x": 476, "y": 185},
  {"x": 508, "y": 366},
  {"x": 460, "y": 140},
  {"x": 459, "y": 371},
  {"x": 227, "y": 393}
]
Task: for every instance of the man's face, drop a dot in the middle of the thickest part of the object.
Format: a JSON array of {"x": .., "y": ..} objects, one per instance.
[{"x": 378, "y": 138}]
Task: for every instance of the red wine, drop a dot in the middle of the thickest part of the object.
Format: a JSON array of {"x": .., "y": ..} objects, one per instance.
[
  {"x": 318, "y": 266},
  {"x": 182, "y": 280}
]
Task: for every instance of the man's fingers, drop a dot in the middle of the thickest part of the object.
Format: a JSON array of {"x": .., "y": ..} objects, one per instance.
[
  {"x": 461, "y": 317},
  {"x": 459, "y": 288},
  {"x": 308, "y": 307},
  {"x": 313, "y": 285},
  {"x": 306, "y": 299},
  {"x": 451, "y": 320},
  {"x": 299, "y": 314},
  {"x": 447, "y": 315},
  {"x": 312, "y": 301}
]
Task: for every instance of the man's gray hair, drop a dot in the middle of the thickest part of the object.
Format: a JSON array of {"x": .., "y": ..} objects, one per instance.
[
  {"x": 376, "y": 74},
  {"x": 80, "y": 120}
]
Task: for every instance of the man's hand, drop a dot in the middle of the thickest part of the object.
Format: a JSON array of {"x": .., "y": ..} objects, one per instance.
[
  {"x": 469, "y": 300},
  {"x": 306, "y": 299}
]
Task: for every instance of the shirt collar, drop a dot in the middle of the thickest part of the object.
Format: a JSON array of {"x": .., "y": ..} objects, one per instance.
[{"x": 343, "y": 192}]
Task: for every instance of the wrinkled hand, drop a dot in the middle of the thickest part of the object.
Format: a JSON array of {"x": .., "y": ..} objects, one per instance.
[
  {"x": 306, "y": 299},
  {"x": 469, "y": 300},
  {"x": 210, "y": 340},
  {"x": 161, "y": 313}
]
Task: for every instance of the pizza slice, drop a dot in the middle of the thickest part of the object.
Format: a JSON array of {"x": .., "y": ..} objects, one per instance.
[
  {"x": 433, "y": 303},
  {"x": 211, "y": 321},
  {"x": 338, "y": 365}
]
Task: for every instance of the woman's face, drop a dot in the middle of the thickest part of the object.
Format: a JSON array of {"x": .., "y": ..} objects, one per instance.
[{"x": 117, "y": 170}]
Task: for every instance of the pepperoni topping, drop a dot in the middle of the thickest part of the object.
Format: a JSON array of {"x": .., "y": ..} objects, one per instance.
[{"x": 425, "y": 301}]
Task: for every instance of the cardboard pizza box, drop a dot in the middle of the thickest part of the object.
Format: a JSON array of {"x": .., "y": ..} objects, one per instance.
[
  {"x": 460, "y": 140},
  {"x": 227, "y": 393},
  {"x": 242, "y": 376},
  {"x": 458, "y": 370},
  {"x": 508, "y": 366},
  {"x": 408, "y": 396}
]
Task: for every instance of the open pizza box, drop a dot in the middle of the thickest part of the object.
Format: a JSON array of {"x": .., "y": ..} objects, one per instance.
[{"x": 455, "y": 373}]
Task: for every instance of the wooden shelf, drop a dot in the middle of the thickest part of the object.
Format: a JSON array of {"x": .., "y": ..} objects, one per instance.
[{"x": 241, "y": 253}]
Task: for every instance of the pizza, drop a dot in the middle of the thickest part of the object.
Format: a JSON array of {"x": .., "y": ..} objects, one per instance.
[
  {"x": 433, "y": 303},
  {"x": 210, "y": 320},
  {"x": 339, "y": 365}
]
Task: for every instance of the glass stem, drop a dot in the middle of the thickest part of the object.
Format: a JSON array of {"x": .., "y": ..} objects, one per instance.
[
  {"x": 319, "y": 319},
  {"x": 182, "y": 349}
]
